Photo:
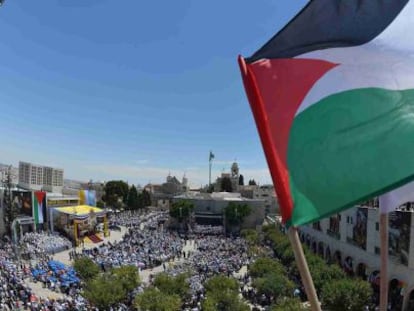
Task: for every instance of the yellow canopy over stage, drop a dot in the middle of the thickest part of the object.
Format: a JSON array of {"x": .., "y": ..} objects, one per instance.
[
  {"x": 79, "y": 210},
  {"x": 80, "y": 220}
]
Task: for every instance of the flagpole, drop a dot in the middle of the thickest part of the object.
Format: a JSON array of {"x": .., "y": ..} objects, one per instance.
[
  {"x": 383, "y": 228},
  {"x": 209, "y": 173},
  {"x": 281, "y": 186},
  {"x": 303, "y": 269}
]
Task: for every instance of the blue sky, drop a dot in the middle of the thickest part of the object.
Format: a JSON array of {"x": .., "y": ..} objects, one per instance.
[{"x": 132, "y": 89}]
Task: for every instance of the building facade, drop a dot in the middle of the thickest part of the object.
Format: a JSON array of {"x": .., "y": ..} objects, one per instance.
[
  {"x": 209, "y": 208},
  {"x": 233, "y": 176},
  {"x": 162, "y": 194},
  {"x": 264, "y": 192},
  {"x": 351, "y": 239},
  {"x": 6, "y": 170},
  {"x": 38, "y": 177}
]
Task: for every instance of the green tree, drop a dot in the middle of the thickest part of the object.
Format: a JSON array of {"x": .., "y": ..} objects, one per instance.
[
  {"x": 11, "y": 210},
  {"x": 127, "y": 276},
  {"x": 100, "y": 204},
  {"x": 288, "y": 257},
  {"x": 226, "y": 302},
  {"x": 288, "y": 304},
  {"x": 86, "y": 268},
  {"x": 222, "y": 295},
  {"x": 323, "y": 273},
  {"x": 169, "y": 285},
  {"x": 220, "y": 284},
  {"x": 181, "y": 210},
  {"x": 226, "y": 184},
  {"x": 252, "y": 182},
  {"x": 264, "y": 265},
  {"x": 346, "y": 295},
  {"x": 104, "y": 291},
  {"x": 236, "y": 212},
  {"x": 132, "y": 201},
  {"x": 274, "y": 284},
  {"x": 108, "y": 289},
  {"x": 154, "y": 300},
  {"x": 252, "y": 238},
  {"x": 250, "y": 235},
  {"x": 241, "y": 180},
  {"x": 144, "y": 199},
  {"x": 115, "y": 190}
]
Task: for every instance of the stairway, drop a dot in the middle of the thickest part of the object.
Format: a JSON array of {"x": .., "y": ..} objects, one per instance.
[{"x": 94, "y": 238}]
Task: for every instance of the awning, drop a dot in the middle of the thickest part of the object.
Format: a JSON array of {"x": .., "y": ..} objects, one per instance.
[{"x": 80, "y": 210}]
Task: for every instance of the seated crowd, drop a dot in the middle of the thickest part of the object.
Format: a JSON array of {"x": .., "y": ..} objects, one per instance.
[{"x": 146, "y": 244}]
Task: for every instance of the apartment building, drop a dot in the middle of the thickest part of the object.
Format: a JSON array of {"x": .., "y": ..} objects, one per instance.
[{"x": 38, "y": 177}]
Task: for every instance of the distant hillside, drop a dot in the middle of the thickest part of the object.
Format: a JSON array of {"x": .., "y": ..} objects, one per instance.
[{"x": 74, "y": 184}]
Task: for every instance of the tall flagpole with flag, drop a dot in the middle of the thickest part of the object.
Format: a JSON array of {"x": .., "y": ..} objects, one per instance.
[
  {"x": 210, "y": 163},
  {"x": 389, "y": 202},
  {"x": 330, "y": 112}
]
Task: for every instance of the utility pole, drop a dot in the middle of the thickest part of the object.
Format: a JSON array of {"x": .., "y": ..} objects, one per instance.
[{"x": 210, "y": 161}]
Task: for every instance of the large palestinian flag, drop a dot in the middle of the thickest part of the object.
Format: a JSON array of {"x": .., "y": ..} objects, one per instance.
[
  {"x": 332, "y": 94},
  {"x": 39, "y": 207}
]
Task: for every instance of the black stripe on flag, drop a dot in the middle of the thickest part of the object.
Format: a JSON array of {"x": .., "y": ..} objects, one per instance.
[{"x": 323, "y": 24}]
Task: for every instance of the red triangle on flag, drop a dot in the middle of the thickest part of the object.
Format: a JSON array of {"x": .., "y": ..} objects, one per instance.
[{"x": 40, "y": 195}]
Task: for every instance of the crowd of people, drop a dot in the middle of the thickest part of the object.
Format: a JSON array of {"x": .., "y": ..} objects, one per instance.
[
  {"x": 211, "y": 255},
  {"x": 132, "y": 219},
  {"x": 147, "y": 243},
  {"x": 34, "y": 244},
  {"x": 16, "y": 292},
  {"x": 208, "y": 229},
  {"x": 144, "y": 245}
]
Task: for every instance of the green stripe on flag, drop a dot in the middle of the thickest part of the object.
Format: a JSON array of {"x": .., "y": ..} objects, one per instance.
[
  {"x": 349, "y": 147},
  {"x": 35, "y": 209}
]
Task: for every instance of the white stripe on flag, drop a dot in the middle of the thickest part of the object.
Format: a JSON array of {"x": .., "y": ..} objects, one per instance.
[
  {"x": 390, "y": 201},
  {"x": 40, "y": 212}
]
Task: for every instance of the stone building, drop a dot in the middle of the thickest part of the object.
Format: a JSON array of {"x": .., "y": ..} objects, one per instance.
[
  {"x": 264, "y": 192},
  {"x": 209, "y": 208},
  {"x": 162, "y": 194},
  {"x": 233, "y": 176},
  {"x": 351, "y": 238}
]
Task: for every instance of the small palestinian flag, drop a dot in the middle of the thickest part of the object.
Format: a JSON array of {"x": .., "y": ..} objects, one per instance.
[{"x": 332, "y": 94}]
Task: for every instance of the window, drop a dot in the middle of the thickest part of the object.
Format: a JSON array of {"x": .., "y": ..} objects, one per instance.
[{"x": 377, "y": 226}]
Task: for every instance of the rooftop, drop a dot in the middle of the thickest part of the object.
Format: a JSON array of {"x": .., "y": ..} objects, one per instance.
[{"x": 220, "y": 196}]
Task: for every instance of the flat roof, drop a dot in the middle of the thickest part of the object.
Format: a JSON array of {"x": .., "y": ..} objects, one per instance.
[{"x": 79, "y": 210}]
